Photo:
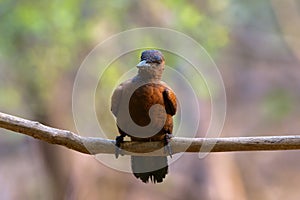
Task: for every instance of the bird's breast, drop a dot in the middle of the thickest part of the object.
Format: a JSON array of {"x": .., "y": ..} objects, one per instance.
[
  {"x": 142, "y": 99},
  {"x": 145, "y": 107}
]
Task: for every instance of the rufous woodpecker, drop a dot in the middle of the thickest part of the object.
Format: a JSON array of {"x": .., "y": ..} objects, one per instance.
[{"x": 131, "y": 103}]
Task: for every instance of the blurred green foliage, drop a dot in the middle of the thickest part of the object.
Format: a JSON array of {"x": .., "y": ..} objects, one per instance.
[
  {"x": 277, "y": 105},
  {"x": 42, "y": 41}
]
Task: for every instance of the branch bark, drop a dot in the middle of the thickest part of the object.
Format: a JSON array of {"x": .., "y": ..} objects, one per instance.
[{"x": 91, "y": 145}]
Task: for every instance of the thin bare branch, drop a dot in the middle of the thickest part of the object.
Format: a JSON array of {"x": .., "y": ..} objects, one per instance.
[{"x": 90, "y": 145}]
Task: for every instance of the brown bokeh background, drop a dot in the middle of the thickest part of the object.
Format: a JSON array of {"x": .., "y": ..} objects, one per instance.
[{"x": 255, "y": 44}]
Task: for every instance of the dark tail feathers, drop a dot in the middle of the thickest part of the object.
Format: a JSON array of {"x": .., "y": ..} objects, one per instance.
[{"x": 153, "y": 168}]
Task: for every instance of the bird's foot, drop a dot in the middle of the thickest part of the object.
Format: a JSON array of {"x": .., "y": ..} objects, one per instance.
[
  {"x": 167, "y": 147},
  {"x": 118, "y": 150}
]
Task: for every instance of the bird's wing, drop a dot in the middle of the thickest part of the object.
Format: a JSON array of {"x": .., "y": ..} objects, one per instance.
[
  {"x": 169, "y": 100},
  {"x": 116, "y": 99}
]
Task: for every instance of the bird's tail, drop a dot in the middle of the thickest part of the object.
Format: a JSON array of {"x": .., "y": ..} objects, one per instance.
[{"x": 154, "y": 168}]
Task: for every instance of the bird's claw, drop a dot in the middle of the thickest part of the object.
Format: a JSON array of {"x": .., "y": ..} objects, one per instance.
[
  {"x": 167, "y": 147},
  {"x": 118, "y": 150}
]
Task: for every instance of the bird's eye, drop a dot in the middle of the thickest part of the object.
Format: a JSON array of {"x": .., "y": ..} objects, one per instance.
[{"x": 157, "y": 61}]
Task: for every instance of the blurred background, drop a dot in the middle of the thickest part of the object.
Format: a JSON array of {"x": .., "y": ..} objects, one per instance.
[{"x": 255, "y": 44}]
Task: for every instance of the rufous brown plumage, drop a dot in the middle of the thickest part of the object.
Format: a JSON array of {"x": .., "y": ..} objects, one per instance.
[{"x": 138, "y": 97}]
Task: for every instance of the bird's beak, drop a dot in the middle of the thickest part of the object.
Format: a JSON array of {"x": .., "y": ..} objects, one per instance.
[{"x": 143, "y": 63}]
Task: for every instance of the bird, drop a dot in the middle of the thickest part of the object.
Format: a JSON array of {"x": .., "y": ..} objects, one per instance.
[{"x": 138, "y": 97}]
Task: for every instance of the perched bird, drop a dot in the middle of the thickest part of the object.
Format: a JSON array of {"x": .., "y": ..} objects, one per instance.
[{"x": 134, "y": 104}]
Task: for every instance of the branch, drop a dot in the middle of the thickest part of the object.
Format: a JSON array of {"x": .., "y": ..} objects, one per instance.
[{"x": 90, "y": 145}]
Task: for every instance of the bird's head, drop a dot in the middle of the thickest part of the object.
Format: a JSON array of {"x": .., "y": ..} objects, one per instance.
[{"x": 152, "y": 64}]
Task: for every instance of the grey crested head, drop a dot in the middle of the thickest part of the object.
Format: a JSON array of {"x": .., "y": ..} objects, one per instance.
[{"x": 151, "y": 65}]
